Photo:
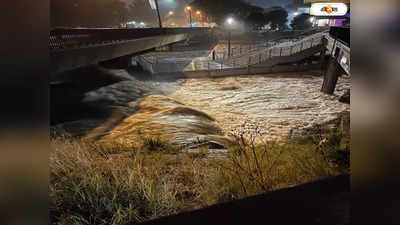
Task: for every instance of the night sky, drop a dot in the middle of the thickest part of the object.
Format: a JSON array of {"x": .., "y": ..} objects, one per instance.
[{"x": 144, "y": 12}]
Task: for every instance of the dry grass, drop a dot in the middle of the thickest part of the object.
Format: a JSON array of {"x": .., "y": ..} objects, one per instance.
[{"x": 120, "y": 184}]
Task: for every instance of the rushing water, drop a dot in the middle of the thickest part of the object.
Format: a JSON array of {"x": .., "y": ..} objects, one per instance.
[
  {"x": 274, "y": 104},
  {"x": 192, "y": 111}
]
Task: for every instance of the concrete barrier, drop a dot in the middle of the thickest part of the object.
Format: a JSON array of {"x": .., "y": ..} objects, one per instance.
[{"x": 239, "y": 71}]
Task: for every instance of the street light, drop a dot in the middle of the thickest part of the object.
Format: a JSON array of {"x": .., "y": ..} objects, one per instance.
[
  {"x": 199, "y": 17},
  {"x": 230, "y": 21},
  {"x": 190, "y": 14}
]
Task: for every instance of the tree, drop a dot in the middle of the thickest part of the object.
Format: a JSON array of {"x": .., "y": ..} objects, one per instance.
[
  {"x": 256, "y": 20},
  {"x": 301, "y": 22},
  {"x": 277, "y": 18}
]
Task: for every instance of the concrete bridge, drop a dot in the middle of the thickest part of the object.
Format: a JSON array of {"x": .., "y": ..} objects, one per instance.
[{"x": 74, "y": 48}]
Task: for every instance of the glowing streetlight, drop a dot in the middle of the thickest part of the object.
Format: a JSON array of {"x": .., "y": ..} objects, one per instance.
[
  {"x": 170, "y": 13},
  {"x": 198, "y": 12},
  {"x": 189, "y": 8},
  {"x": 230, "y": 20}
]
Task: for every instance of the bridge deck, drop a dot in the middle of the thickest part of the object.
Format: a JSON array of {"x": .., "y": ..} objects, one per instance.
[{"x": 73, "y": 48}]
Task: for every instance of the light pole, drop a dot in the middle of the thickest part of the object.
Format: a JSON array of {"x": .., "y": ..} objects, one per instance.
[
  {"x": 190, "y": 15},
  {"x": 158, "y": 14},
  {"x": 198, "y": 13},
  {"x": 230, "y": 22}
]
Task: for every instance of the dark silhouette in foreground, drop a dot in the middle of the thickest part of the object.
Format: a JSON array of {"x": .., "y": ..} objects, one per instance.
[{"x": 321, "y": 202}]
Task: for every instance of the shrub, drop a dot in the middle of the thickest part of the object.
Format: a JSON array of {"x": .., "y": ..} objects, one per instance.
[{"x": 111, "y": 183}]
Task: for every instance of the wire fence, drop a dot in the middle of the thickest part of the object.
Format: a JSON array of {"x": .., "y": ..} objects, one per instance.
[
  {"x": 66, "y": 38},
  {"x": 242, "y": 59}
]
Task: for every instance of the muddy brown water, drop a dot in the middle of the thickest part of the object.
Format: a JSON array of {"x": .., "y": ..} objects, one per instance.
[{"x": 196, "y": 112}]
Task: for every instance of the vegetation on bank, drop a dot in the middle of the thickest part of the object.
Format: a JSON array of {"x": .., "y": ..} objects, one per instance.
[{"x": 115, "y": 184}]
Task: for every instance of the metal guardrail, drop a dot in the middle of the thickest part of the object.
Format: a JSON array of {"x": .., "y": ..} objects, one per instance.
[
  {"x": 66, "y": 38},
  {"x": 278, "y": 50},
  {"x": 252, "y": 48},
  {"x": 156, "y": 65},
  {"x": 253, "y": 57},
  {"x": 341, "y": 52}
]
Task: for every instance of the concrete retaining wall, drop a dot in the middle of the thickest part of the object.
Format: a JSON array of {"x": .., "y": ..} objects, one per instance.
[{"x": 239, "y": 71}]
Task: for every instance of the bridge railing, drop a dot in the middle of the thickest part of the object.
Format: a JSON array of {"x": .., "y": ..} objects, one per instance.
[
  {"x": 278, "y": 50},
  {"x": 242, "y": 51},
  {"x": 65, "y": 38},
  {"x": 158, "y": 65}
]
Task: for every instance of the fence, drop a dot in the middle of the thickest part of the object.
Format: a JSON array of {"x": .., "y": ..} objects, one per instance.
[
  {"x": 254, "y": 48},
  {"x": 156, "y": 65}
]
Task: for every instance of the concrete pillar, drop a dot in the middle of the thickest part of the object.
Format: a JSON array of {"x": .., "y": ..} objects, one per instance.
[
  {"x": 322, "y": 54},
  {"x": 331, "y": 77}
]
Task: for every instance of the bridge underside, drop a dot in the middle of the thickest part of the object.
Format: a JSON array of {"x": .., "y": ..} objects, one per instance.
[{"x": 68, "y": 59}]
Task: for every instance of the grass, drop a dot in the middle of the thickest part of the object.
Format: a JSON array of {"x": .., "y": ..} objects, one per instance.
[{"x": 94, "y": 183}]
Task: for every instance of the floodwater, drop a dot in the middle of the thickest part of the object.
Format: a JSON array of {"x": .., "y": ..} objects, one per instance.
[
  {"x": 274, "y": 104},
  {"x": 197, "y": 112}
]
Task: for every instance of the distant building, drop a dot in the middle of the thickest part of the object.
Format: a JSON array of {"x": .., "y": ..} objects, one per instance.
[{"x": 321, "y": 21}]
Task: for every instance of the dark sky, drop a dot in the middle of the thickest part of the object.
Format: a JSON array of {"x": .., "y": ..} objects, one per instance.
[
  {"x": 269, "y": 3},
  {"x": 144, "y": 12}
]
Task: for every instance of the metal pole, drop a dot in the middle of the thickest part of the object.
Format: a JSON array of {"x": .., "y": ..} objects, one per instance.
[
  {"x": 229, "y": 44},
  {"x": 190, "y": 18},
  {"x": 334, "y": 43},
  {"x": 158, "y": 13}
]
